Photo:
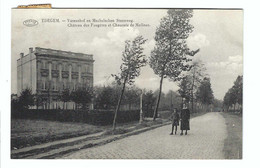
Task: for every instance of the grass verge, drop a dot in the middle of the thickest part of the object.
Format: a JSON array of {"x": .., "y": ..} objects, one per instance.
[
  {"x": 25, "y": 133},
  {"x": 233, "y": 143}
]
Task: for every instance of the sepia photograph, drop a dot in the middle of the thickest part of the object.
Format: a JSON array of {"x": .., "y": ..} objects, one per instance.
[{"x": 127, "y": 83}]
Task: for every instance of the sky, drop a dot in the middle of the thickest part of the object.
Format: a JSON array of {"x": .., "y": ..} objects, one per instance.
[{"x": 218, "y": 34}]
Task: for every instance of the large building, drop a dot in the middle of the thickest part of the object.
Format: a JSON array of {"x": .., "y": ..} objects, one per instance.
[{"x": 48, "y": 72}]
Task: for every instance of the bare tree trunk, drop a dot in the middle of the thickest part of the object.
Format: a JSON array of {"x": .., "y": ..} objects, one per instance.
[
  {"x": 141, "y": 108},
  {"x": 192, "y": 103},
  {"x": 118, "y": 104},
  {"x": 158, "y": 100}
]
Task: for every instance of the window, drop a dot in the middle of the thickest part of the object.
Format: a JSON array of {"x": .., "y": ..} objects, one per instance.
[
  {"x": 64, "y": 85},
  {"x": 54, "y": 86},
  {"x": 39, "y": 64},
  {"x": 66, "y": 67},
  {"x": 55, "y": 66},
  {"x": 90, "y": 69},
  {"x": 74, "y": 86},
  {"x": 45, "y": 64},
  {"x": 87, "y": 68},
  {"x": 43, "y": 85}
]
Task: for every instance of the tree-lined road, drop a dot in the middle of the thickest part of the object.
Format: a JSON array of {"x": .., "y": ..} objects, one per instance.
[{"x": 205, "y": 140}]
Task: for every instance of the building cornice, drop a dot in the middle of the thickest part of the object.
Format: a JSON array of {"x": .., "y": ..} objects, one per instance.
[{"x": 62, "y": 54}]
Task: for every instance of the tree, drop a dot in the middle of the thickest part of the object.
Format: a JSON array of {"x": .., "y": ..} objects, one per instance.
[
  {"x": 133, "y": 59},
  {"x": 65, "y": 97},
  {"x": 227, "y": 102},
  {"x": 197, "y": 73},
  {"x": 217, "y": 104},
  {"x": 238, "y": 89},
  {"x": 173, "y": 99},
  {"x": 105, "y": 99},
  {"x": 148, "y": 102},
  {"x": 82, "y": 96},
  {"x": 169, "y": 57},
  {"x": 235, "y": 94},
  {"x": 185, "y": 88},
  {"x": 26, "y": 98},
  {"x": 204, "y": 93},
  {"x": 131, "y": 95},
  {"x": 15, "y": 105}
]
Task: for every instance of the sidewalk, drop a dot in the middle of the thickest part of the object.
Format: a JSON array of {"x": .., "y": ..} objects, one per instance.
[{"x": 62, "y": 147}]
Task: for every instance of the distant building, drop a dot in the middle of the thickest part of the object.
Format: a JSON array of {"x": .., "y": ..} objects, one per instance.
[{"x": 48, "y": 72}]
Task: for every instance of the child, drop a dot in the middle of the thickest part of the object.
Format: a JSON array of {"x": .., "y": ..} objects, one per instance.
[{"x": 175, "y": 120}]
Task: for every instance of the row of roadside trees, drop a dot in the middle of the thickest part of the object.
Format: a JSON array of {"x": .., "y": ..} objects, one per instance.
[
  {"x": 195, "y": 87},
  {"x": 168, "y": 59},
  {"x": 233, "y": 99},
  {"x": 104, "y": 98}
]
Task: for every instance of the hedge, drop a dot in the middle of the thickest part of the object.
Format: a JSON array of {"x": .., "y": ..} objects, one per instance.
[{"x": 95, "y": 117}]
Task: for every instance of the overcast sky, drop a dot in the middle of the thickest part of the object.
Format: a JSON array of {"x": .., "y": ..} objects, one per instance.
[{"x": 218, "y": 34}]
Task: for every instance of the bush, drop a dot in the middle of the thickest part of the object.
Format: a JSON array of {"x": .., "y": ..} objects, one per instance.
[{"x": 95, "y": 117}]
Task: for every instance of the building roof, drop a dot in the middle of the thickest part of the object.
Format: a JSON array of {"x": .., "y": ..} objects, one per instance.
[{"x": 59, "y": 53}]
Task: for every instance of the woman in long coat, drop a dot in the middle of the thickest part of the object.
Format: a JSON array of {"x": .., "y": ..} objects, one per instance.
[{"x": 185, "y": 119}]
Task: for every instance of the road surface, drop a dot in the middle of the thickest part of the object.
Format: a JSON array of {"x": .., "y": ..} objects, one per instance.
[{"x": 205, "y": 140}]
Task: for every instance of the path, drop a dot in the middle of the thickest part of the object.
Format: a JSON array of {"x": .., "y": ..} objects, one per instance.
[{"x": 205, "y": 140}]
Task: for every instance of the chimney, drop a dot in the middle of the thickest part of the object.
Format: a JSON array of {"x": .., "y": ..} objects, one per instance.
[
  {"x": 30, "y": 50},
  {"x": 21, "y": 55}
]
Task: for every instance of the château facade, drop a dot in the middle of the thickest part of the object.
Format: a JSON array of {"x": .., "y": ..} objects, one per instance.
[{"x": 49, "y": 72}]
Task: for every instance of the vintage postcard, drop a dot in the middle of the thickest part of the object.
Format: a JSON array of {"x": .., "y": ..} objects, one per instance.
[{"x": 126, "y": 84}]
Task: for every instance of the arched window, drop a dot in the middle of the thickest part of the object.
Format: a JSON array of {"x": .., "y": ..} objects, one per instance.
[
  {"x": 44, "y": 65},
  {"x": 66, "y": 67},
  {"x": 55, "y": 66}
]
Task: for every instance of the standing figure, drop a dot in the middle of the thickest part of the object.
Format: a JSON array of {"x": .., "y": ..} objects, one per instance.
[
  {"x": 175, "y": 120},
  {"x": 185, "y": 119}
]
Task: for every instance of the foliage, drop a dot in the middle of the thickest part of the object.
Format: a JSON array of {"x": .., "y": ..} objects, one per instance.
[
  {"x": 65, "y": 95},
  {"x": 133, "y": 59},
  {"x": 148, "y": 102},
  {"x": 169, "y": 57},
  {"x": 235, "y": 94},
  {"x": 218, "y": 105},
  {"x": 106, "y": 97},
  {"x": 132, "y": 95},
  {"x": 196, "y": 75},
  {"x": 169, "y": 100},
  {"x": 185, "y": 88},
  {"x": 204, "y": 93},
  {"x": 26, "y": 98},
  {"x": 82, "y": 96}
]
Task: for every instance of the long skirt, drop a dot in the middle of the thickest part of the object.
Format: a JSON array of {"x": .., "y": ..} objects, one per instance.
[{"x": 185, "y": 125}]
